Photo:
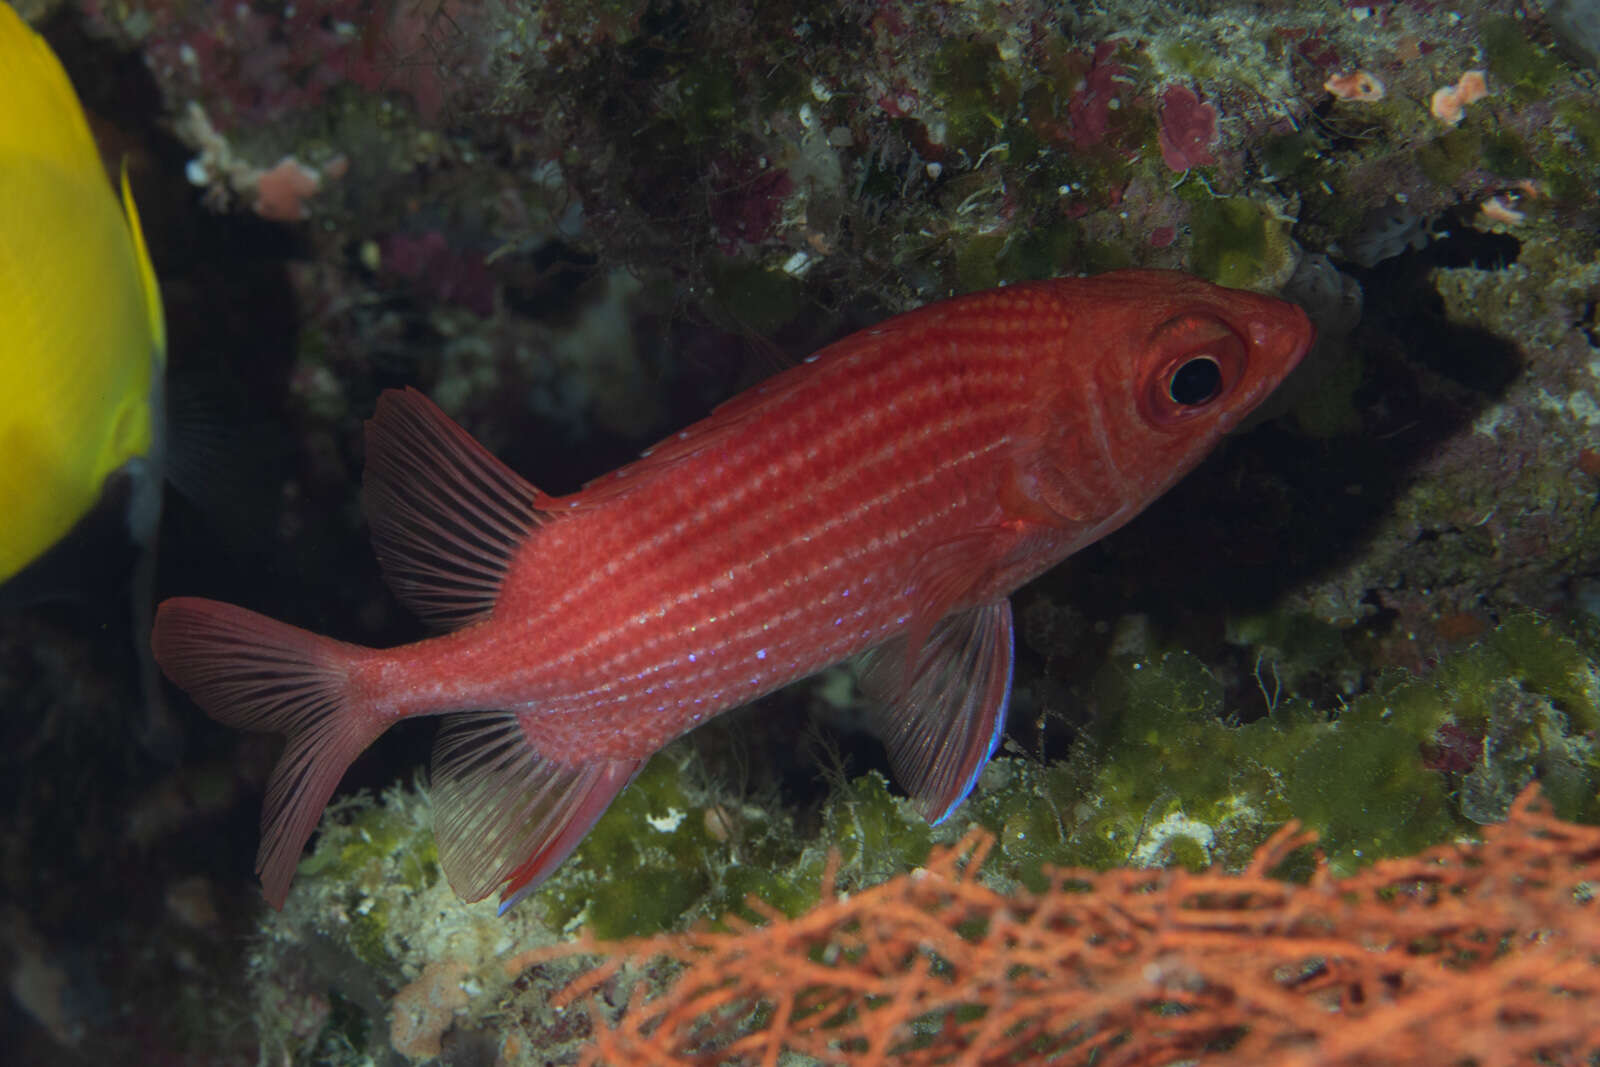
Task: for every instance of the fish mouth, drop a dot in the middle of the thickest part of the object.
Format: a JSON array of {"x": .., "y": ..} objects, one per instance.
[
  {"x": 1278, "y": 345},
  {"x": 1283, "y": 342}
]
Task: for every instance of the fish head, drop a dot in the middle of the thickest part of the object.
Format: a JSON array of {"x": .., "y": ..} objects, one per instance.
[{"x": 1174, "y": 363}]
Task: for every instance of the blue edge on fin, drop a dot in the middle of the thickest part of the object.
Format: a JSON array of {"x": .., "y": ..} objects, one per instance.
[{"x": 942, "y": 713}]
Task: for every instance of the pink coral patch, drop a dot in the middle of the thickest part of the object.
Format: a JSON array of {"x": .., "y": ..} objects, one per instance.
[
  {"x": 1188, "y": 127},
  {"x": 1360, "y": 86},
  {"x": 281, "y": 192},
  {"x": 1089, "y": 109},
  {"x": 439, "y": 272}
]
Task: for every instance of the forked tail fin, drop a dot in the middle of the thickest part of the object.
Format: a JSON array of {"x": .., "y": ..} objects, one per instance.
[{"x": 255, "y": 673}]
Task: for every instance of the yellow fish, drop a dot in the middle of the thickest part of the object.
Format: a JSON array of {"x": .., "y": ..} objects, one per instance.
[{"x": 83, "y": 349}]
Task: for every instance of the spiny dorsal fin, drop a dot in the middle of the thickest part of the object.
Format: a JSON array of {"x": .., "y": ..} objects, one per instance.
[
  {"x": 725, "y": 422},
  {"x": 447, "y": 517}
]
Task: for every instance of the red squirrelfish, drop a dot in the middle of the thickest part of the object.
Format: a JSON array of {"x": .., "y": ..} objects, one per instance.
[{"x": 885, "y": 496}]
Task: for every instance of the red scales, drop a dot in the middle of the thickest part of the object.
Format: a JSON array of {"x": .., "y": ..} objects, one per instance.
[{"x": 887, "y": 495}]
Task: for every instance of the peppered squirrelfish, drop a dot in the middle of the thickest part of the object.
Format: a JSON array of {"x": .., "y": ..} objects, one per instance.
[{"x": 888, "y": 494}]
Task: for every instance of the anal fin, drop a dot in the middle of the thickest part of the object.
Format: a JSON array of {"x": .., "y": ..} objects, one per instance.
[
  {"x": 941, "y": 706},
  {"x": 505, "y": 816}
]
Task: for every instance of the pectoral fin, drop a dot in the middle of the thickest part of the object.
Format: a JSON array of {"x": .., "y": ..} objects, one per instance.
[{"x": 941, "y": 706}]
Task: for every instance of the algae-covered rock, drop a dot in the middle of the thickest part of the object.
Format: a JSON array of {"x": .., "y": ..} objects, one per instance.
[
  {"x": 1165, "y": 775},
  {"x": 1241, "y": 243}
]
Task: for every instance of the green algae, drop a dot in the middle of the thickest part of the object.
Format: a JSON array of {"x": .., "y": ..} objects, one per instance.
[
  {"x": 792, "y": 889},
  {"x": 1059, "y": 248},
  {"x": 1164, "y": 776},
  {"x": 369, "y": 844},
  {"x": 1296, "y": 155},
  {"x": 366, "y": 854},
  {"x": 673, "y": 848},
  {"x": 977, "y": 92},
  {"x": 1052, "y": 249},
  {"x": 643, "y": 865},
  {"x": 1568, "y": 150},
  {"x": 1515, "y": 60},
  {"x": 1237, "y": 241},
  {"x": 753, "y": 297},
  {"x": 1033, "y": 812},
  {"x": 875, "y": 833},
  {"x": 1507, "y": 155},
  {"x": 977, "y": 262},
  {"x": 1549, "y": 662},
  {"x": 1047, "y": 251},
  {"x": 1362, "y": 787},
  {"x": 709, "y": 95},
  {"x": 1446, "y": 159},
  {"x": 1191, "y": 58},
  {"x": 1165, "y": 748}
]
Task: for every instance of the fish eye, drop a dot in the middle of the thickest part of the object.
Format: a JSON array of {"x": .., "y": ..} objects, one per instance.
[
  {"x": 1194, "y": 362},
  {"x": 1195, "y": 382}
]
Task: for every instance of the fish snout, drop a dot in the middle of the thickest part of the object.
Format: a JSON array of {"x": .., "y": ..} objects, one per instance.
[
  {"x": 1279, "y": 336},
  {"x": 1281, "y": 339}
]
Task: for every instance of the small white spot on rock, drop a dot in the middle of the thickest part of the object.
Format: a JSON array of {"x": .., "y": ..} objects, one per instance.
[{"x": 665, "y": 824}]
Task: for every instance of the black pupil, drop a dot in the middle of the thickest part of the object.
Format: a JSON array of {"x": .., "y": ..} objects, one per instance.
[{"x": 1196, "y": 382}]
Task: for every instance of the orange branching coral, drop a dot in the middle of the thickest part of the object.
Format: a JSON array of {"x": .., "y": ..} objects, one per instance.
[{"x": 1484, "y": 953}]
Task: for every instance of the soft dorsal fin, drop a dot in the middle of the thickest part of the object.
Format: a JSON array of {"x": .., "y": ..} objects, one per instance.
[
  {"x": 447, "y": 517},
  {"x": 504, "y": 815},
  {"x": 942, "y": 712},
  {"x": 724, "y": 420}
]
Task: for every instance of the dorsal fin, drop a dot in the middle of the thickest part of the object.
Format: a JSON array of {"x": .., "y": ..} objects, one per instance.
[
  {"x": 730, "y": 415},
  {"x": 725, "y": 420},
  {"x": 447, "y": 517}
]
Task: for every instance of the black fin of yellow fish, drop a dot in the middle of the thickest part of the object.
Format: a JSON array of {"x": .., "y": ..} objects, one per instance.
[
  {"x": 505, "y": 816},
  {"x": 447, "y": 516},
  {"x": 942, "y": 716},
  {"x": 90, "y": 563}
]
